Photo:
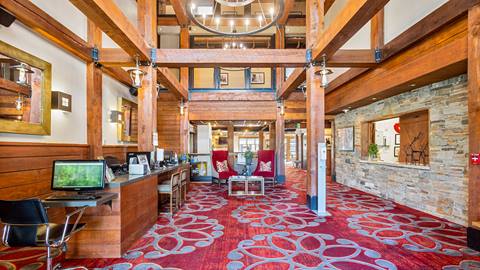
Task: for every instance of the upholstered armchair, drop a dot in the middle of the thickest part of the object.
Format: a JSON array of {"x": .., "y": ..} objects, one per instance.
[
  {"x": 266, "y": 165},
  {"x": 221, "y": 165}
]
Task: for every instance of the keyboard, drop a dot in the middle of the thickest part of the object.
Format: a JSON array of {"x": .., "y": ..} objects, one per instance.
[{"x": 72, "y": 198}]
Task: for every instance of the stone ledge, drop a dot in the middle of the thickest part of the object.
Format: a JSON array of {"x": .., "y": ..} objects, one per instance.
[{"x": 398, "y": 165}]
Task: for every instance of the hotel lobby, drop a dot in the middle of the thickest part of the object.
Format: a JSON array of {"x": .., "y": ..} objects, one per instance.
[{"x": 239, "y": 134}]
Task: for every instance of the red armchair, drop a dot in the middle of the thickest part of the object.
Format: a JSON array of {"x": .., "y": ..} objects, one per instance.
[
  {"x": 267, "y": 157},
  {"x": 223, "y": 173}
]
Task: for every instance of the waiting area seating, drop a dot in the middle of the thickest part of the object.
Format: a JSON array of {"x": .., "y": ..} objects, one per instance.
[{"x": 265, "y": 166}]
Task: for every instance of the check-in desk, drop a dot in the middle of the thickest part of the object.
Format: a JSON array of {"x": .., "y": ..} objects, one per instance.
[{"x": 112, "y": 230}]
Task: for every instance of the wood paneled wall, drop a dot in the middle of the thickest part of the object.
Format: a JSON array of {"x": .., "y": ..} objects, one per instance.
[
  {"x": 26, "y": 168},
  {"x": 118, "y": 151},
  {"x": 168, "y": 125}
]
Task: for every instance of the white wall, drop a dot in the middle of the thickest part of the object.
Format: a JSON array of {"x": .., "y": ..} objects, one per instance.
[
  {"x": 385, "y": 129},
  {"x": 68, "y": 75},
  {"x": 112, "y": 91}
]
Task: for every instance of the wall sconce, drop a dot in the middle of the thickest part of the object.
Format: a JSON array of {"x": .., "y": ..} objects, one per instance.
[
  {"x": 281, "y": 105},
  {"x": 23, "y": 69},
  {"x": 19, "y": 102},
  {"x": 116, "y": 116},
  {"x": 61, "y": 101},
  {"x": 182, "y": 107},
  {"x": 136, "y": 74},
  {"x": 324, "y": 71}
]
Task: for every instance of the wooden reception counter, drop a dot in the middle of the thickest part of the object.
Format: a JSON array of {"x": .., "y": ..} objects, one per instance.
[{"x": 112, "y": 230}]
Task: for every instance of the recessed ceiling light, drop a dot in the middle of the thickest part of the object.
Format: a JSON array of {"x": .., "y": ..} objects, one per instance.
[
  {"x": 374, "y": 98},
  {"x": 412, "y": 85},
  {"x": 345, "y": 110}
]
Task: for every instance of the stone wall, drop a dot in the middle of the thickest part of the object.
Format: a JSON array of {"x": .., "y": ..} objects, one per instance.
[{"x": 439, "y": 188}]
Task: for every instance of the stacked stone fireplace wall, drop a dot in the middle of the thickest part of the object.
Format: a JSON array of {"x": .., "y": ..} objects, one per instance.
[{"x": 439, "y": 188}]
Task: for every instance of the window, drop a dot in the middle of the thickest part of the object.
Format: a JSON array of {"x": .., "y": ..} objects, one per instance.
[
  {"x": 248, "y": 143},
  {"x": 401, "y": 139}
]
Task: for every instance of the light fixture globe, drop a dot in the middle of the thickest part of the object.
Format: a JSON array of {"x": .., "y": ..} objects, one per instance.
[{"x": 205, "y": 17}]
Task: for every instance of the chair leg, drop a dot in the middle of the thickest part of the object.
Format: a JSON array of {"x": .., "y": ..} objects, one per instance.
[
  {"x": 185, "y": 194},
  {"x": 171, "y": 203},
  {"x": 49, "y": 258}
]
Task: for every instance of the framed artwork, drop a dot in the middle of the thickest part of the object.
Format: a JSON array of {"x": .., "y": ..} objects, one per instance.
[
  {"x": 397, "y": 139},
  {"x": 257, "y": 78},
  {"x": 223, "y": 78},
  {"x": 346, "y": 139},
  {"x": 396, "y": 151}
]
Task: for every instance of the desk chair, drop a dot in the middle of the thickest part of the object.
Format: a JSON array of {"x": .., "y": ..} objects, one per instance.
[
  {"x": 26, "y": 225},
  {"x": 183, "y": 185},
  {"x": 171, "y": 188}
]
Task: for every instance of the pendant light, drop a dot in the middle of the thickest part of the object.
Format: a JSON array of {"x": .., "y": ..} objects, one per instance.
[
  {"x": 323, "y": 72},
  {"x": 23, "y": 69},
  {"x": 136, "y": 74}
]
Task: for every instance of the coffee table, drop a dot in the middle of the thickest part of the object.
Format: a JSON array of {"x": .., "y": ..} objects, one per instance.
[{"x": 247, "y": 181}]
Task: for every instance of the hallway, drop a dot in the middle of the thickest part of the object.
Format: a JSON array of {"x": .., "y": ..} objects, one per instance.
[{"x": 278, "y": 232}]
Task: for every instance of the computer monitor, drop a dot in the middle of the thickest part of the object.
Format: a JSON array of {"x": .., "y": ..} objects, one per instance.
[
  {"x": 135, "y": 154},
  {"x": 78, "y": 175}
]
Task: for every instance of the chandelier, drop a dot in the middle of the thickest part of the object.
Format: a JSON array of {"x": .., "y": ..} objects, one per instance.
[{"x": 222, "y": 17}]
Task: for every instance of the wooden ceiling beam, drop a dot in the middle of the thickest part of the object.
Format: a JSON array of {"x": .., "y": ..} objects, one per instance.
[
  {"x": 237, "y": 58},
  {"x": 166, "y": 78},
  {"x": 288, "y": 6},
  {"x": 108, "y": 16},
  {"x": 49, "y": 28},
  {"x": 353, "y": 16},
  {"x": 430, "y": 24},
  {"x": 297, "y": 77},
  {"x": 119, "y": 74},
  {"x": 440, "y": 57},
  {"x": 180, "y": 12}
]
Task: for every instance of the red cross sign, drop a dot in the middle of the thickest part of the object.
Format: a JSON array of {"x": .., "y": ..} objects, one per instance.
[{"x": 475, "y": 158}]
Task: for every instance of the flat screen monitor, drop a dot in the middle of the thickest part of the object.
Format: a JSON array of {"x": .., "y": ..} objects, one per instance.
[
  {"x": 78, "y": 175},
  {"x": 136, "y": 154}
]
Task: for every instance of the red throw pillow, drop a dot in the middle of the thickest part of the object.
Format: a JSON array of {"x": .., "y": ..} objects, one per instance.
[
  {"x": 265, "y": 167},
  {"x": 222, "y": 166}
]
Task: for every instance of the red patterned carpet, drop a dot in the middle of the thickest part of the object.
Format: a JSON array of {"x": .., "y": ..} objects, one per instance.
[{"x": 213, "y": 231}]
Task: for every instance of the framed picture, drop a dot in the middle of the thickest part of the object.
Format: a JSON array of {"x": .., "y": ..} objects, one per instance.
[
  {"x": 346, "y": 139},
  {"x": 396, "y": 151},
  {"x": 257, "y": 78},
  {"x": 223, "y": 78},
  {"x": 397, "y": 139},
  {"x": 142, "y": 159}
]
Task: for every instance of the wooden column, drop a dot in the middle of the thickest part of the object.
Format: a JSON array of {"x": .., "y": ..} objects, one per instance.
[
  {"x": 184, "y": 44},
  {"x": 184, "y": 130},
  {"x": 230, "y": 142},
  {"x": 260, "y": 140},
  {"x": 288, "y": 151},
  {"x": 271, "y": 136},
  {"x": 297, "y": 147},
  {"x": 473, "y": 124},
  {"x": 315, "y": 103},
  {"x": 377, "y": 39},
  {"x": 280, "y": 146},
  {"x": 94, "y": 96},
  {"x": 147, "y": 94},
  {"x": 280, "y": 44}
]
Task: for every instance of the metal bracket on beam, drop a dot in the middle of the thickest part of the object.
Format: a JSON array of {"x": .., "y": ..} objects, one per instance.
[
  {"x": 378, "y": 55},
  {"x": 153, "y": 57},
  {"x": 308, "y": 58},
  {"x": 95, "y": 56}
]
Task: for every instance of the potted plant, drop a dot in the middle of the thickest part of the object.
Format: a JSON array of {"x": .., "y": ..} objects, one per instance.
[
  {"x": 373, "y": 151},
  {"x": 248, "y": 157}
]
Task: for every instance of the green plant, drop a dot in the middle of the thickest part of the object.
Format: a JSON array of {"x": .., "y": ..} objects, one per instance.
[
  {"x": 248, "y": 156},
  {"x": 373, "y": 150}
]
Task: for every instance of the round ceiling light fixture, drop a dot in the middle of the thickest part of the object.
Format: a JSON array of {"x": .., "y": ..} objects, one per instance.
[{"x": 208, "y": 16}]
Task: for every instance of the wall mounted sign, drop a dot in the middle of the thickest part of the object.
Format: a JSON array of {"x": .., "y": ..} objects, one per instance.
[
  {"x": 346, "y": 139},
  {"x": 475, "y": 158}
]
